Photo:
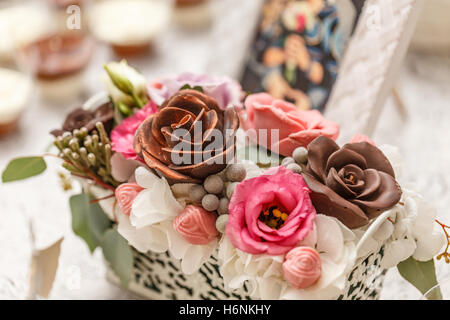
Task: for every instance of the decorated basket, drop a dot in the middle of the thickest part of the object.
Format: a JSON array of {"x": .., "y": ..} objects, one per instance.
[{"x": 194, "y": 190}]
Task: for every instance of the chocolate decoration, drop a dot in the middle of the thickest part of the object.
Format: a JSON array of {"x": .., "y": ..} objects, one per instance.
[
  {"x": 156, "y": 138},
  {"x": 354, "y": 184},
  {"x": 80, "y": 117},
  {"x": 59, "y": 55}
]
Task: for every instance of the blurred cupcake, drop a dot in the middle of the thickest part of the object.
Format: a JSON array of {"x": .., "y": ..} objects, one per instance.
[
  {"x": 193, "y": 13},
  {"x": 15, "y": 92},
  {"x": 129, "y": 26},
  {"x": 20, "y": 25},
  {"x": 58, "y": 62}
]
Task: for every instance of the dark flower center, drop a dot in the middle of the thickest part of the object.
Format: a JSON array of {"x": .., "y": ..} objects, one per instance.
[{"x": 273, "y": 216}]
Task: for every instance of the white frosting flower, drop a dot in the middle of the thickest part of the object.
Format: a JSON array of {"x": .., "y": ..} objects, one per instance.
[
  {"x": 263, "y": 273},
  {"x": 150, "y": 224},
  {"x": 415, "y": 231},
  {"x": 408, "y": 229}
]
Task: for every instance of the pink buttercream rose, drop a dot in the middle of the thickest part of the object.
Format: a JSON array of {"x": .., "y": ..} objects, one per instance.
[
  {"x": 196, "y": 225},
  {"x": 361, "y": 138},
  {"x": 297, "y": 128},
  {"x": 302, "y": 267},
  {"x": 270, "y": 213},
  {"x": 125, "y": 195},
  {"x": 122, "y": 136}
]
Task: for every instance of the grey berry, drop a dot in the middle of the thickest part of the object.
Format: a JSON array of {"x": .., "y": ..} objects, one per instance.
[
  {"x": 286, "y": 161},
  {"x": 223, "y": 206},
  {"x": 294, "y": 168},
  {"x": 210, "y": 202},
  {"x": 213, "y": 184},
  {"x": 230, "y": 189},
  {"x": 300, "y": 155},
  {"x": 236, "y": 172},
  {"x": 221, "y": 223},
  {"x": 196, "y": 193}
]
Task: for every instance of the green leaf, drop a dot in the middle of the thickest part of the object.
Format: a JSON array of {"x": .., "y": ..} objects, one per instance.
[
  {"x": 89, "y": 222},
  {"x": 23, "y": 168},
  {"x": 187, "y": 86},
  {"x": 198, "y": 88},
  {"x": 118, "y": 253},
  {"x": 421, "y": 275}
]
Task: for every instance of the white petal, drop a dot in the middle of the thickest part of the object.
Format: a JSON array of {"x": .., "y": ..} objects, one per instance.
[
  {"x": 145, "y": 178},
  {"x": 429, "y": 245},
  {"x": 177, "y": 245},
  {"x": 196, "y": 256},
  {"x": 144, "y": 239},
  {"x": 329, "y": 237},
  {"x": 397, "y": 251}
]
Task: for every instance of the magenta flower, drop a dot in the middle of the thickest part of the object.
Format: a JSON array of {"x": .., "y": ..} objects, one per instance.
[
  {"x": 271, "y": 213},
  {"x": 122, "y": 136},
  {"x": 224, "y": 90}
]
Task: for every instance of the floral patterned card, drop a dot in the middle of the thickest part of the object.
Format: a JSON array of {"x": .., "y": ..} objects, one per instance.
[{"x": 297, "y": 49}]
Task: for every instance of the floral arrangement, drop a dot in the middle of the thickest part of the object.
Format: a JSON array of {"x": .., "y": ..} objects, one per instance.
[{"x": 191, "y": 166}]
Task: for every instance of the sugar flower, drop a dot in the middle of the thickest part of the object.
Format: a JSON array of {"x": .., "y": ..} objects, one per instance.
[
  {"x": 150, "y": 224},
  {"x": 270, "y": 213},
  {"x": 296, "y": 128}
]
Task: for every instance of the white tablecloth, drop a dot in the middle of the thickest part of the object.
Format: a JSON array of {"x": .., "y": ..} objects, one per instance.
[{"x": 424, "y": 140}]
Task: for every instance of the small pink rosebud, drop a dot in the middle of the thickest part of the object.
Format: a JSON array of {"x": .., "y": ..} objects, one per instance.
[
  {"x": 196, "y": 225},
  {"x": 125, "y": 195},
  {"x": 302, "y": 267}
]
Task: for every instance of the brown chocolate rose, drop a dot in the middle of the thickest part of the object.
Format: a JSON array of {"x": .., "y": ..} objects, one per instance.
[
  {"x": 199, "y": 117},
  {"x": 354, "y": 183},
  {"x": 80, "y": 117}
]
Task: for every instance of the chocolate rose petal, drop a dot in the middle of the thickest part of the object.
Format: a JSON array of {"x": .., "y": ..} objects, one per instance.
[
  {"x": 319, "y": 151},
  {"x": 146, "y": 139},
  {"x": 372, "y": 183},
  {"x": 335, "y": 182},
  {"x": 171, "y": 175},
  {"x": 374, "y": 157},
  {"x": 328, "y": 202},
  {"x": 343, "y": 157},
  {"x": 355, "y": 183},
  {"x": 386, "y": 196}
]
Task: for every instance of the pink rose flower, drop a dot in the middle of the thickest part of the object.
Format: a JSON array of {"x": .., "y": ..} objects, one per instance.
[
  {"x": 361, "y": 138},
  {"x": 297, "y": 128},
  {"x": 271, "y": 213},
  {"x": 196, "y": 225},
  {"x": 302, "y": 267},
  {"x": 122, "y": 136},
  {"x": 125, "y": 195}
]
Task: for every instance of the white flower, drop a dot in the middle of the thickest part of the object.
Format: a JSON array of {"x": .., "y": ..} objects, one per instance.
[
  {"x": 150, "y": 224},
  {"x": 264, "y": 274},
  {"x": 415, "y": 231}
]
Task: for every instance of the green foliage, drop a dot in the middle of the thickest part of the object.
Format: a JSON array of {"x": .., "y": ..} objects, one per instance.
[
  {"x": 188, "y": 87},
  {"x": 421, "y": 275},
  {"x": 118, "y": 253},
  {"x": 89, "y": 222},
  {"x": 23, "y": 168}
]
